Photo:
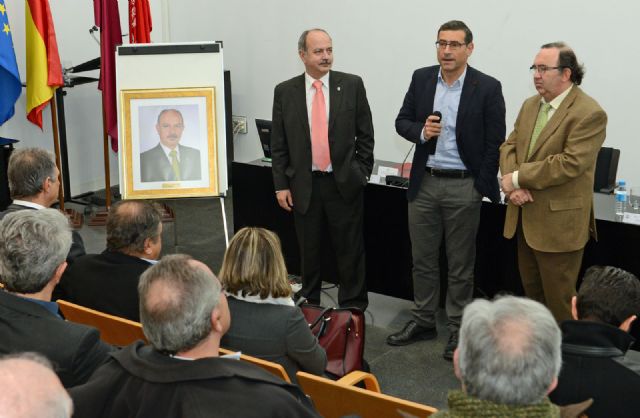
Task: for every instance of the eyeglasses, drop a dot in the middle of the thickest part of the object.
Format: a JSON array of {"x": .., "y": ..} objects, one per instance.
[
  {"x": 453, "y": 45},
  {"x": 543, "y": 69}
]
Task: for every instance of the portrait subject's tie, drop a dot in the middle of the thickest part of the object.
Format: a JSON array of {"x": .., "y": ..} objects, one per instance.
[
  {"x": 541, "y": 121},
  {"x": 319, "y": 129},
  {"x": 175, "y": 164}
]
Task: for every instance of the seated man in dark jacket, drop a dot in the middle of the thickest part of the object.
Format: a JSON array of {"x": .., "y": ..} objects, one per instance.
[
  {"x": 184, "y": 314},
  {"x": 34, "y": 184},
  {"x": 594, "y": 345},
  {"x": 33, "y": 247},
  {"x": 108, "y": 282}
]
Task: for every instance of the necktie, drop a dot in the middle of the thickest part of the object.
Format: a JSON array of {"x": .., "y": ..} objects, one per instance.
[
  {"x": 541, "y": 121},
  {"x": 319, "y": 129},
  {"x": 175, "y": 164}
]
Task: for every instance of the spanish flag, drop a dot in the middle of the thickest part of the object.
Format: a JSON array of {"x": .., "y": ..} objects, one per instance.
[{"x": 44, "y": 72}]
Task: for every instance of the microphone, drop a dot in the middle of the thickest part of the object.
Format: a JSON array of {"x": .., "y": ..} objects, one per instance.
[
  {"x": 432, "y": 149},
  {"x": 405, "y": 160},
  {"x": 401, "y": 180}
]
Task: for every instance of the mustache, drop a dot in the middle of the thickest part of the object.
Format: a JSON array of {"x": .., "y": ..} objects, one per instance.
[{"x": 325, "y": 62}]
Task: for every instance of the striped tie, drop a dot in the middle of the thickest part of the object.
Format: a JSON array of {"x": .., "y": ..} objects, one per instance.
[{"x": 541, "y": 121}]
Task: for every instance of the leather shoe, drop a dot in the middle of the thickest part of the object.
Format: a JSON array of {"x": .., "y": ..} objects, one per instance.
[
  {"x": 411, "y": 333},
  {"x": 451, "y": 346}
]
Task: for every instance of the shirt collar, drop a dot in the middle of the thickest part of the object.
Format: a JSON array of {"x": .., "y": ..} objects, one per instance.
[
  {"x": 308, "y": 80},
  {"x": 48, "y": 305},
  {"x": 557, "y": 101},
  {"x": 458, "y": 82},
  {"x": 167, "y": 150},
  {"x": 28, "y": 204}
]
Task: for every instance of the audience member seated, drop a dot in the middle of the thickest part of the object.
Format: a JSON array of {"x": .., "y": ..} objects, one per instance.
[
  {"x": 266, "y": 324},
  {"x": 594, "y": 345},
  {"x": 33, "y": 246},
  {"x": 508, "y": 360},
  {"x": 184, "y": 314},
  {"x": 34, "y": 184},
  {"x": 31, "y": 389},
  {"x": 108, "y": 282}
]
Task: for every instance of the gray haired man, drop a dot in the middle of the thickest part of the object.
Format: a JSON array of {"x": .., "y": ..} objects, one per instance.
[
  {"x": 184, "y": 314},
  {"x": 33, "y": 247},
  {"x": 508, "y": 360},
  {"x": 34, "y": 184}
]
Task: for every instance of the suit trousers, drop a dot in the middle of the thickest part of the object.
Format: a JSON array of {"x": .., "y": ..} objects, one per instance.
[
  {"x": 343, "y": 221},
  {"x": 549, "y": 278},
  {"x": 451, "y": 208}
]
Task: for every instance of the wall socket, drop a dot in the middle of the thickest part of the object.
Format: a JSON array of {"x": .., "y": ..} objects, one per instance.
[{"x": 239, "y": 124}]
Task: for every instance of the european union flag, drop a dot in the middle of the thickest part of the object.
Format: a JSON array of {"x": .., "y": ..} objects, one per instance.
[{"x": 10, "y": 86}]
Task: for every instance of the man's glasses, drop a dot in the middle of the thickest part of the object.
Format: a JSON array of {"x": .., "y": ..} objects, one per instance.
[
  {"x": 453, "y": 45},
  {"x": 541, "y": 69}
]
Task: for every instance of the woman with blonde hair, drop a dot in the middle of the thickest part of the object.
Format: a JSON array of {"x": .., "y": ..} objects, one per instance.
[{"x": 265, "y": 323}]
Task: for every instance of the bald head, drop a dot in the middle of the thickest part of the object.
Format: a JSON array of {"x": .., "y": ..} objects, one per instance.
[
  {"x": 134, "y": 227},
  {"x": 30, "y": 389},
  {"x": 177, "y": 298}
]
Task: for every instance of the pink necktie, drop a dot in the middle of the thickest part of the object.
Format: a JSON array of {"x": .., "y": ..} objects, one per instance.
[{"x": 319, "y": 129}]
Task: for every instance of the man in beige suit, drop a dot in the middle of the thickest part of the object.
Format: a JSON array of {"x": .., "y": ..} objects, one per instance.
[{"x": 547, "y": 164}]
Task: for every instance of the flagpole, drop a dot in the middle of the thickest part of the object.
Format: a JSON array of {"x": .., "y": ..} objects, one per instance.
[
  {"x": 56, "y": 147},
  {"x": 107, "y": 167}
]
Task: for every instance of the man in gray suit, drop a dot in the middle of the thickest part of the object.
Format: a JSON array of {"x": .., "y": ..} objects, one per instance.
[
  {"x": 170, "y": 161},
  {"x": 322, "y": 150}
]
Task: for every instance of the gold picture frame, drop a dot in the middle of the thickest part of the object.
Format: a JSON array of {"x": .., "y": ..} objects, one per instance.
[{"x": 169, "y": 144}]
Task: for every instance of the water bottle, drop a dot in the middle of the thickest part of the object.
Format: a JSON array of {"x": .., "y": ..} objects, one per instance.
[{"x": 621, "y": 198}]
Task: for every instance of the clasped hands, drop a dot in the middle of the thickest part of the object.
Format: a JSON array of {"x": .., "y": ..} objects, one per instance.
[{"x": 516, "y": 196}]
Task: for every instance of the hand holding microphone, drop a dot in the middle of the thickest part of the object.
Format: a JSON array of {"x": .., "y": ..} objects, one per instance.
[{"x": 432, "y": 126}]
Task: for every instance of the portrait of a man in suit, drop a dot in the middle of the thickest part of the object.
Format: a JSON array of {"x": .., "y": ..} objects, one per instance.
[{"x": 169, "y": 160}]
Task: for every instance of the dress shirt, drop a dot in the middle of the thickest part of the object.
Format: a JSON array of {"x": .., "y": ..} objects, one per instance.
[
  {"x": 447, "y": 100},
  {"x": 310, "y": 94},
  {"x": 555, "y": 104}
]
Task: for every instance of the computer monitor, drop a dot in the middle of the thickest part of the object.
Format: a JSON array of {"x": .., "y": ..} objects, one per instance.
[{"x": 264, "y": 132}]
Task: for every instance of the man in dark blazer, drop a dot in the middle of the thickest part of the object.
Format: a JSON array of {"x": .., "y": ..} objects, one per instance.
[
  {"x": 34, "y": 184},
  {"x": 108, "y": 282},
  {"x": 322, "y": 158},
  {"x": 170, "y": 161},
  {"x": 33, "y": 246},
  {"x": 455, "y": 164}
]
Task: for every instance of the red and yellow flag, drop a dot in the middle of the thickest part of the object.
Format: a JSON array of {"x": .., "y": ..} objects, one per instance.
[{"x": 44, "y": 72}]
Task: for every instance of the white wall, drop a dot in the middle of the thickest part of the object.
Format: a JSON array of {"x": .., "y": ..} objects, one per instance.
[
  {"x": 83, "y": 111},
  {"x": 382, "y": 41}
]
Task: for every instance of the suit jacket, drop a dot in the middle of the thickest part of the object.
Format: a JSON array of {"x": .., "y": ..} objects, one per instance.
[
  {"x": 595, "y": 365},
  {"x": 350, "y": 137},
  {"x": 106, "y": 282},
  {"x": 559, "y": 172},
  {"x": 480, "y": 127},
  {"x": 140, "y": 382},
  {"x": 275, "y": 333},
  {"x": 155, "y": 166},
  {"x": 77, "y": 244},
  {"x": 75, "y": 350}
]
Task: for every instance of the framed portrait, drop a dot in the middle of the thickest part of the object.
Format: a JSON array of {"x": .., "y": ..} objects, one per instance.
[{"x": 169, "y": 143}]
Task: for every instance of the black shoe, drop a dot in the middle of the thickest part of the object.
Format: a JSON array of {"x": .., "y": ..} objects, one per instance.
[
  {"x": 451, "y": 346},
  {"x": 411, "y": 333}
]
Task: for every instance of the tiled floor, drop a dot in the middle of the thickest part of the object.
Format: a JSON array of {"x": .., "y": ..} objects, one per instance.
[{"x": 416, "y": 372}]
